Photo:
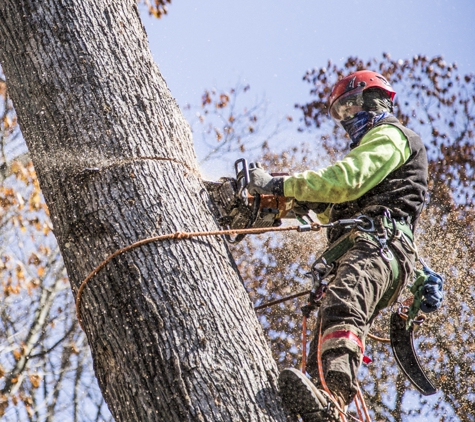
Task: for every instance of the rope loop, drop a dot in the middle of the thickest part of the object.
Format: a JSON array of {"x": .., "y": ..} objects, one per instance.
[
  {"x": 188, "y": 235},
  {"x": 178, "y": 236}
]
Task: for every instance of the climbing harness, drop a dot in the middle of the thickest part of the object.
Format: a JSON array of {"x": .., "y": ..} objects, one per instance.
[
  {"x": 382, "y": 229},
  {"x": 321, "y": 269}
]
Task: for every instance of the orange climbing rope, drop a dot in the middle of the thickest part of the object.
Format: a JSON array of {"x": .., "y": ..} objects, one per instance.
[
  {"x": 360, "y": 404},
  {"x": 182, "y": 235}
]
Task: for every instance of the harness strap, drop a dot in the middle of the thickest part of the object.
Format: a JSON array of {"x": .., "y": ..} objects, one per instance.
[
  {"x": 400, "y": 225},
  {"x": 393, "y": 226},
  {"x": 394, "y": 265},
  {"x": 337, "y": 249},
  {"x": 345, "y": 242}
]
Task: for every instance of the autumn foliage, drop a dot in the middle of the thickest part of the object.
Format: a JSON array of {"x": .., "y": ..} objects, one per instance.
[
  {"x": 45, "y": 365},
  {"x": 156, "y": 8}
]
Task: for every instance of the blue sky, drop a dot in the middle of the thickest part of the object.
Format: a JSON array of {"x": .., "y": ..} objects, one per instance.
[{"x": 271, "y": 43}]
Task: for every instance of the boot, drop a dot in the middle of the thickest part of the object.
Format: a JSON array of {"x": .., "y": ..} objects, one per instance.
[{"x": 301, "y": 397}]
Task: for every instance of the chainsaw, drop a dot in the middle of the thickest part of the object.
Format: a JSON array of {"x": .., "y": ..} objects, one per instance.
[{"x": 235, "y": 208}]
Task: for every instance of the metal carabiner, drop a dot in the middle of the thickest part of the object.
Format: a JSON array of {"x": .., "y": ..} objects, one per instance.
[
  {"x": 321, "y": 269},
  {"x": 403, "y": 312}
]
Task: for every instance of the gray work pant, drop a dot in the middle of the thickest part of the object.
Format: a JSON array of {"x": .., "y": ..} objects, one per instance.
[{"x": 351, "y": 303}]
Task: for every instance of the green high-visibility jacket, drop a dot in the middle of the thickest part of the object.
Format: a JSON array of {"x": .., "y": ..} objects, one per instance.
[{"x": 381, "y": 151}]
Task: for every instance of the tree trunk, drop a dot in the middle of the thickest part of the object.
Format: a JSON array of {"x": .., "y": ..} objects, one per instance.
[{"x": 171, "y": 328}]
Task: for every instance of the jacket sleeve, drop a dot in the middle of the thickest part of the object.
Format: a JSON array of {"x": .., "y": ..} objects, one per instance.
[{"x": 381, "y": 151}]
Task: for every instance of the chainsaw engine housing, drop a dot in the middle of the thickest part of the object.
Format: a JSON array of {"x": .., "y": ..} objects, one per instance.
[{"x": 236, "y": 209}]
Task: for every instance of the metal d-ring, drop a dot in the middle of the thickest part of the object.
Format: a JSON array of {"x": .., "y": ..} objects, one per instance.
[
  {"x": 368, "y": 220},
  {"x": 386, "y": 253}
]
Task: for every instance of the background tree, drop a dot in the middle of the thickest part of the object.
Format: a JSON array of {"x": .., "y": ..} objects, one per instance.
[
  {"x": 171, "y": 329},
  {"x": 45, "y": 366},
  {"x": 45, "y": 362},
  {"x": 226, "y": 123}
]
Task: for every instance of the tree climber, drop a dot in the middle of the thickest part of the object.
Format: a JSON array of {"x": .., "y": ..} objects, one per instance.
[{"x": 383, "y": 177}]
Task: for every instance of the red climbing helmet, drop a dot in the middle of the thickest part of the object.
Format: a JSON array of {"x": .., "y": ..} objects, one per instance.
[{"x": 346, "y": 98}]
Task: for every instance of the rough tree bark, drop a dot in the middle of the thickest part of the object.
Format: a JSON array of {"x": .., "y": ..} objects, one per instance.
[{"x": 171, "y": 329}]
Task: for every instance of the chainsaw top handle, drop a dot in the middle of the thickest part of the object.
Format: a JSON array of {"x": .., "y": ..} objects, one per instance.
[{"x": 242, "y": 173}]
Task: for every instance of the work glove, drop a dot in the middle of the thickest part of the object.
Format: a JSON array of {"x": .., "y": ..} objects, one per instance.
[
  {"x": 432, "y": 291},
  {"x": 261, "y": 182},
  {"x": 302, "y": 208},
  {"x": 427, "y": 291}
]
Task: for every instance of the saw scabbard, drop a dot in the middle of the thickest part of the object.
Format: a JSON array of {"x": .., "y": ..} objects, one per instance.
[{"x": 402, "y": 344}]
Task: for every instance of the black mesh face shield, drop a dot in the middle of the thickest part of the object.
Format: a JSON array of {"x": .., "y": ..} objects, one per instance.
[{"x": 377, "y": 100}]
